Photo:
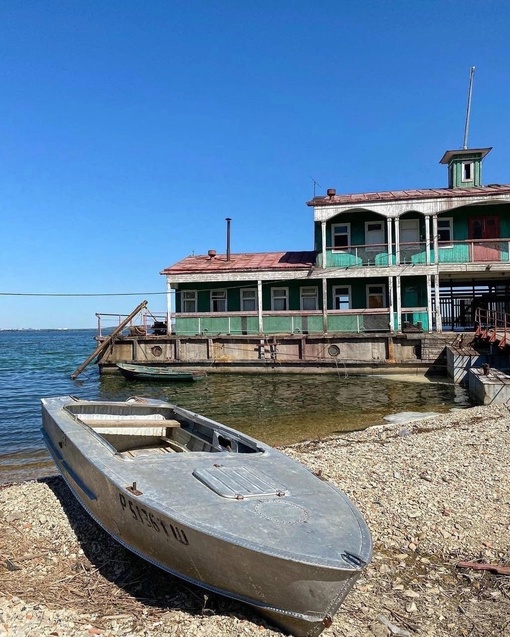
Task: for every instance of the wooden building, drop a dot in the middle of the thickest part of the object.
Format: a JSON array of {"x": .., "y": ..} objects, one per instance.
[{"x": 392, "y": 277}]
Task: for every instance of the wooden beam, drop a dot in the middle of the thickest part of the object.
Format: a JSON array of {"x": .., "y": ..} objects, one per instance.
[{"x": 102, "y": 346}]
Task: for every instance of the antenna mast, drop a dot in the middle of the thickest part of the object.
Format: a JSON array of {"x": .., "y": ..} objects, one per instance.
[
  {"x": 468, "y": 111},
  {"x": 314, "y": 184}
]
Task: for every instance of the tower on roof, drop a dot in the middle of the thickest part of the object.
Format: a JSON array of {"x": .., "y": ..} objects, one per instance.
[{"x": 464, "y": 166}]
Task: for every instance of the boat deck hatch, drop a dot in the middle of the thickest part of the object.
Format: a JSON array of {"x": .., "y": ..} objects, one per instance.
[{"x": 239, "y": 482}]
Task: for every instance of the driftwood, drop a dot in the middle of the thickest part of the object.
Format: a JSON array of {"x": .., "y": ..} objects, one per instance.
[{"x": 480, "y": 566}]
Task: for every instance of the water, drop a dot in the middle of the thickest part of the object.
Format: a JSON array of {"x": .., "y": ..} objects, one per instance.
[{"x": 278, "y": 409}]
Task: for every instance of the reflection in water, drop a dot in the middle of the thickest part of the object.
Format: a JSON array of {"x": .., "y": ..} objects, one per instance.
[
  {"x": 288, "y": 408},
  {"x": 276, "y": 409}
]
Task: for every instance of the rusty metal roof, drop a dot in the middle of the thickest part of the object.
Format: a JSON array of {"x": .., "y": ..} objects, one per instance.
[
  {"x": 400, "y": 195},
  {"x": 243, "y": 262}
]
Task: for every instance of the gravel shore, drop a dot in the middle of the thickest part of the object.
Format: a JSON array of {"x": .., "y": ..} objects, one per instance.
[{"x": 434, "y": 492}]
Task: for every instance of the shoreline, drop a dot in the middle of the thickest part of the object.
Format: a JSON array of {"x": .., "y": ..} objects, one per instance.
[{"x": 434, "y": 492}]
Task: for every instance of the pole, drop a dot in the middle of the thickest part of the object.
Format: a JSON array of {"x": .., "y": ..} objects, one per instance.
[{"x": 468, "y": 111}]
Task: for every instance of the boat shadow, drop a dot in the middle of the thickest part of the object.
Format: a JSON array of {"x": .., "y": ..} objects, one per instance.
[{"x": 140, "y": 581}]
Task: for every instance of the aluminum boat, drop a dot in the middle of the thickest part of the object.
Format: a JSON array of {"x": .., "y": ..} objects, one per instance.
[{"x": 211, "y": 505}]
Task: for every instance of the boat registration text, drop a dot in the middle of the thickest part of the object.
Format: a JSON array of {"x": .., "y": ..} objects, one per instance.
[{"x": 148, "y": 519}]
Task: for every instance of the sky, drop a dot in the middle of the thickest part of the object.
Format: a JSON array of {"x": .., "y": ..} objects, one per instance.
[{"x": 129, "y": 130}]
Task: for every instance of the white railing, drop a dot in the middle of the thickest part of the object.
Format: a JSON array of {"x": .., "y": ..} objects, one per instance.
[
  {"x": 144, "y": 322},
  {"x": 415, "y": 253}
]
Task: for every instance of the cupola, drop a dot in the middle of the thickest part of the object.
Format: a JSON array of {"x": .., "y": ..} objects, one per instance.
[{"x": 464, "y": 166}]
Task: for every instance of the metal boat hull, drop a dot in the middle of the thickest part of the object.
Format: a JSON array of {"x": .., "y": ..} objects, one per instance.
[
  {"x": 157, "y": 373},
  {"x": 298, "y": 590}
]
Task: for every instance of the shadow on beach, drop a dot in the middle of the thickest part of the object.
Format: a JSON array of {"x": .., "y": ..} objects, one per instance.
[{"x": 133, "y": 584}]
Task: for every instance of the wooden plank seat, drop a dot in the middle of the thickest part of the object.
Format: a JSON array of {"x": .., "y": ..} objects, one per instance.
[
  {"x": 136, "y": 453},
  {"x": 131, "y": 422},
  {"x": 173, "y": 444}
]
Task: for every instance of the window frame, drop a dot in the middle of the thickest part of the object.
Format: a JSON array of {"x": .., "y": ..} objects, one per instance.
[
  {"x": 254, "y": 299},
  {"x": 347, "y": 234},
  {"x": 450, "y": 230},
  {"x": 216, "y": 296},
  {"x": 465, "y": 167},
  {"x": 284, "y": 296},
  {"x": 373, "y": 294},
  {"x": 193, "y": 297},
  {"x": 313, "y": 295},
  {"x": 336, "y": 294}
]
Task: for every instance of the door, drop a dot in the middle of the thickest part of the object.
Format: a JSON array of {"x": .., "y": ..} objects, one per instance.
[
  {"x": 409, "y": 231},
  {"x": 485, "y": 229}
]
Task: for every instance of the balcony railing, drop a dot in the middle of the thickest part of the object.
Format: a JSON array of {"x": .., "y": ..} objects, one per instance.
[
  {"x": 143, "y": 323},
  {"x": 245, "y": 323},
  {"x": 415, "y": 253},
  {"x": 293, "y": 322}
]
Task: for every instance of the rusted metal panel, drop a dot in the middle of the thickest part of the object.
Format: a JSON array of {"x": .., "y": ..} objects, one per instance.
[{"x": 244, "y": 262}]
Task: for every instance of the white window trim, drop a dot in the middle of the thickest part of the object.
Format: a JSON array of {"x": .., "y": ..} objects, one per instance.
[
  {"x": 218, "y": 295},
  {"x": 384, "y": 295},
  {"x": 449, "y": 243},
  {"x": 471, "y": 165},
  {"x": 193, "y": 297},
  {"x": 280, "y": 296},
  {"x": 313, "y": 293},
  {"x": 347, "y": 234},
  {"x": 251, "y": 290},
  {"x": 335, "y": 294},
  {"x": 374, "y": 246}
]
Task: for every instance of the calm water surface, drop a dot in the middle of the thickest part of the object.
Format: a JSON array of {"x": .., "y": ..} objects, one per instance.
[{"x": 276, "y": 409}]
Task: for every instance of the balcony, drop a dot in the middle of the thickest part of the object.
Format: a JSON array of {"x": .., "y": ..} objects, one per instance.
[{"x": 466, "y": 251}]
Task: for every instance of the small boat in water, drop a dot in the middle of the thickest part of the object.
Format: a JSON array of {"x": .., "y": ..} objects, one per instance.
[
  {"x": 135, "y": 371},
  {"x": 211, "y": 505}
]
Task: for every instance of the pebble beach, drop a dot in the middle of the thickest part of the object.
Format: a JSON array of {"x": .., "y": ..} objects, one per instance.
[{"x": 435, "y": 494}]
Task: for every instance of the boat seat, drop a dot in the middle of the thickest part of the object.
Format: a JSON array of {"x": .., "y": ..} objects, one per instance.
[
  {"x": 119, "y": 422},
  {"x": 188, "y": 442},
  {"x": 173, "y": 444},
  {"x": 136, "y": 453}
]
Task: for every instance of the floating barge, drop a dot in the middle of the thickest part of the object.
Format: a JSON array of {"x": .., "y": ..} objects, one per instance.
[{"x": 394, "y": 278}]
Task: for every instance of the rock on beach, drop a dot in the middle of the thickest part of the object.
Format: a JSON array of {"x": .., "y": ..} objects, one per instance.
[{"x": 435, "y": 492}]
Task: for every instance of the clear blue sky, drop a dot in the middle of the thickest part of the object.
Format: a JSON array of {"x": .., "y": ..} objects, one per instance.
[{"x": 130, "y": 129}]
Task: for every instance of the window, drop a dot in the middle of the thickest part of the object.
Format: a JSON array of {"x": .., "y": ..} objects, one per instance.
[
  {"x": 374, "y": 233},
  {"x": 342, "y": 298},
  {"x": 280, "y": 299},
  {"x": 189, "y": 301},
  {"x": 248, "y": 300},
  {"x": 341, "y": 235},
  {"x": 467, "y": 171},
  {"x": 309, "y": 298},
  {"x": 376, "y": 296},
  {"x": 445, "y": 229},
  {"x": 218, "y": 300}
]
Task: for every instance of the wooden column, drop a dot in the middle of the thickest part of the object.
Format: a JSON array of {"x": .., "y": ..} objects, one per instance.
[
  {"x": 323, "y": 238},
  {"x": 325, "y": 305},
  {"x": 259, "y": 307}
]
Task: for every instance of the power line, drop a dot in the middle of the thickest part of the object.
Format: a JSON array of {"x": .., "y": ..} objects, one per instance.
[
  {"x": 249, "y": 284},
  {"x": 53, "y": 294}
]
